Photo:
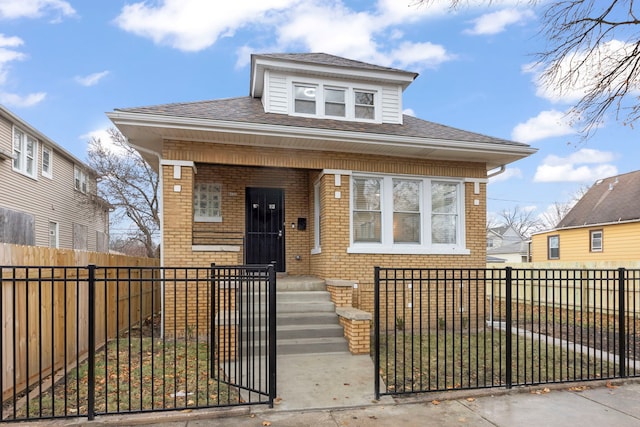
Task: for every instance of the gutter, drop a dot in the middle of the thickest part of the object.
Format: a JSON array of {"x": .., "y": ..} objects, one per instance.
[
  {"x": 498, "y": 172},
  {"x": 600, "y": 224},
  {"x": 138, "y": 119}
]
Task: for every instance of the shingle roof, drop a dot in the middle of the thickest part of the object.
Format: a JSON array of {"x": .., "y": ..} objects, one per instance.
[
  {"x": 331, "y": 60},
  {"x": 612, "y": 199},
  {"x": 250, "y": 110}
]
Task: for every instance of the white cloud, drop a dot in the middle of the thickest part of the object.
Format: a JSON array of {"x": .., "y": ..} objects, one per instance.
[
  {"x": 91, "y": 79},
  {"x": 497, "y": 22},
  {"x": 13, "y": 9},
  {"x": 509, "y": 173},
  {"x": 559, "y": 88},
  {"x": 298, "y": 25},
  {"x": 585, "y": 165},
  {"x": 14, "y": 100},
  {"x": 7, "y": 54},
  {"x": 409, "y": 112},
  {"x": 194, "y": 25},
  {"x": 547, "y": 124}
]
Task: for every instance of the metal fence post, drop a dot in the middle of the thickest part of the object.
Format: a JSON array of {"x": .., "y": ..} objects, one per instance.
[
  {"x": 376, "y": 331},
  {"x": 271, "y": 270},
  {"x": 509, "y": 316},
  {"x": 622, "y": 329},
  {"x": 91, "y": 381}
]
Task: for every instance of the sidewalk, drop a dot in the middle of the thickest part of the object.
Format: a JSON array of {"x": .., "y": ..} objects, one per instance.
[{"x": 562, "y": 405}]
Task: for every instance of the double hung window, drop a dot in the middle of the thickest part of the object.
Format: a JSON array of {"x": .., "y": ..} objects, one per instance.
[
  {"x": 406, "y": 215},
  {"x": 47, "y": 162},
  {"x": 79, "y": 179},
  {"x": 343, "y": 102},
  {"x": 25, "y": 149}
]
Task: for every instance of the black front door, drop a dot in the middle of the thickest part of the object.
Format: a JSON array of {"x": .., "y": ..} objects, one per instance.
[{"x": 265, "y": 226}]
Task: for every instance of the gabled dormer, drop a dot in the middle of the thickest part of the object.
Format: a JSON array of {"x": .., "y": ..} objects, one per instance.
[{"x": 322, "y": 86}]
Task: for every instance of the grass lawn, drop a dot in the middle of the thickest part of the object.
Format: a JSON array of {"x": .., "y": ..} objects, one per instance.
[
  {"x": 445, "y": 360},
  {"x": 136, "y": 374}
]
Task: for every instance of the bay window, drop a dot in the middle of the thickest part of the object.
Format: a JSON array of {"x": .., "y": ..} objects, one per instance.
[{"x": 407, "y": 215}]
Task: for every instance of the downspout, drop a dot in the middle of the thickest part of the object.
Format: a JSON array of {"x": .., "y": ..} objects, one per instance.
[
  {"x": 161, "y": 215},
  {"x": 498, "y": 172}
]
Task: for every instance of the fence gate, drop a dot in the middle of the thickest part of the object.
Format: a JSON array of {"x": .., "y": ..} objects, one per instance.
[{"x": 244, "y": 329}]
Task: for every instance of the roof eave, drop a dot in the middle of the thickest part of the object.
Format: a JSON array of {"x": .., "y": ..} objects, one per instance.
[{"x": 162, "y": 125}]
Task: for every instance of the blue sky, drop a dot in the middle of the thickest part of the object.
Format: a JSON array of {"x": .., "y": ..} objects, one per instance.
[{"x": 63, "y": 64}]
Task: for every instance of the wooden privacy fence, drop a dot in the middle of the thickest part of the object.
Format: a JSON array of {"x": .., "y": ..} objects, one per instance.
[{"x": 44, "y": 309}]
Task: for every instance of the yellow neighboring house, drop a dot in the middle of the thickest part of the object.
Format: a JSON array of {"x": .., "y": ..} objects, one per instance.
[{"x": 603, "y": 226}]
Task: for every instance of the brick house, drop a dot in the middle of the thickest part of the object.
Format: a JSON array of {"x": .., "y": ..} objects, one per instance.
[
  {"x": 49, "y": 195},
  {"x": 319, "y": 170}
]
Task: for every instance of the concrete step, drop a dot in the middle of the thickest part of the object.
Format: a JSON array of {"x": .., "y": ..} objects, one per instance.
[
  {"x": 300, "y": 283},
  {"x": 312, "y": 345},
  {"x": 311, "y": 318},
  {"x": 296, "y": 331}
]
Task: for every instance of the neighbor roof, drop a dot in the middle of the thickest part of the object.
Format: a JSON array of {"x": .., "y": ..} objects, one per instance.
[
  {"x": 609, "y": 200},
  {"x": 250, "y": 110}
]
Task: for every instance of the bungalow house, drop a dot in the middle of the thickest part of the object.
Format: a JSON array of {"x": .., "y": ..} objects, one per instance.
[
  {"x": 49, "y": 196},
  {"x": 603, "y": 226},
  {"x": 319, "y": 171}
]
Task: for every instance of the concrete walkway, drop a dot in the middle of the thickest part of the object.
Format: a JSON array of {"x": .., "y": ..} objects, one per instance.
[{"x": 593, "y": 404}]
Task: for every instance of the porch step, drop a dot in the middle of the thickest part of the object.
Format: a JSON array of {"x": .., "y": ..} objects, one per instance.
[
  {"x": 307, "y": 321},
  {"x": 312, "y": 345}
]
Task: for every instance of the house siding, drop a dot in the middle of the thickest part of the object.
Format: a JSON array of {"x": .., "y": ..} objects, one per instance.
[
  {"x": 391, "y": 104},
  {"x": 276, "y": 93},
  {"x": 50, "y": 199},
  {"x": 619, "y": 243}
]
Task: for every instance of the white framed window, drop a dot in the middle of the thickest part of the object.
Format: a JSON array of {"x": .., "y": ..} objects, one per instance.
[
  {"x": 553, "y": 245},
  {"x": 47, "y": 162},
  {"x": 364, "y": 105},
  {"x": 335, "y": 100},
  {"x": 25, "y": 153},
  {"x": 207, "y": 202},
  {"x": 79, "y": 179},
  {"x": 317, "y": 209},
  {"x": 595, "y": 237},
  {"x": 53, "y": 235},
  {"x": 304, "y": 99},
  {"x": 407, "y": 215}
]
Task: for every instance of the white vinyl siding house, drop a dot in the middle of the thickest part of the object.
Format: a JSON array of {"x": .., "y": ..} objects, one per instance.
[{"x": 37, "y": 203}]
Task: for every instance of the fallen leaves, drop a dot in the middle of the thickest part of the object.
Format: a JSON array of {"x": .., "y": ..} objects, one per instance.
[
  {"x": 579, "y": 388},
  {"x": 266, "y": 423},
  {"x": 541, "y": 391},
  {"x": 610, "y": 385},
  {"x": 435, "y": 402}
]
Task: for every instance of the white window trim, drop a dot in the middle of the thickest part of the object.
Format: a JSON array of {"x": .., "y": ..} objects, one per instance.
[
  {"x": 349, "y": 88},
  {"x": 83, "y": 179},
  {"x": 426, "y": 247},
  {"x": 591, "y": 247},
  {"x": 23, "y": 153},
  {"x": 316, "y": 219},
  {"x": 57, "y": 244},
  {"x": 49, "y": 173}
]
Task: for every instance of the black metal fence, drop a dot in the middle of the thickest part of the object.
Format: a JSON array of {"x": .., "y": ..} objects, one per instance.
[
  {"x": 443, "y": 329},
  {"x": 82, "y": 341}
]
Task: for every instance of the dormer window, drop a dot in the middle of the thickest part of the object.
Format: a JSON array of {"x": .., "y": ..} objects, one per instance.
[
  {"x": 305, "y": 99},
  {"x": 342, "y": 102},
  {"x": 365, "y": 107},
  {"x": 335, "y": 102}
]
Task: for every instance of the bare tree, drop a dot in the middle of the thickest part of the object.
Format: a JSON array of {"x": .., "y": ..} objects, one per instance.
[
  {"x": 592, "y": 54},
  {"x": 554, "y": 213},
  {"x": 128, "y": 183},
  {"x": 524, "y": 221}
]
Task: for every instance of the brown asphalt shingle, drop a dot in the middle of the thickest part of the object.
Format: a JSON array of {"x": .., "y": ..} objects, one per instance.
[
  {"x": 250, "y": 110},
  {"x": 612, "y": 199}
]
